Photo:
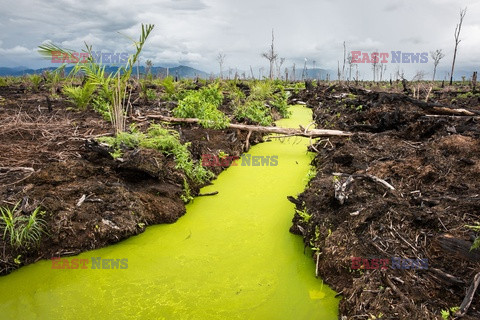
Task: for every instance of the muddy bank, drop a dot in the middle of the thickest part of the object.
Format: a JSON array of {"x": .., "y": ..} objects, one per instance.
[
  {"x": 90, "y": 199},
  {"x": 434, "y": 165}
]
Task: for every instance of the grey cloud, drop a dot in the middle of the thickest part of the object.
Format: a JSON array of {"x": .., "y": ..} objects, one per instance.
[
  {"x": 190, "y": 5},
  {"x": 393, "y": 6},
  {"x": 413, "y": 40},
  {"x": 194, "y": 31}
]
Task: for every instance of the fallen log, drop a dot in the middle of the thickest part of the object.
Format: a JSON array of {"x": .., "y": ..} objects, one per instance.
[
  {"x": 456, "y": 247},
  {"x": 207, "y": 194},
  {"x": 433, "y": 107},
  {"x": 312, "y": 133}
]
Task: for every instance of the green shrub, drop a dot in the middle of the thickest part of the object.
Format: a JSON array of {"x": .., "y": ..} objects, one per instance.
[
  {"x": 256, "y": 107},
  {"x": 298, "y": 86},
  {"x": 468, "y": 95},
  {"x": 255, "y": 111},
  {"x": 261, "y": 90},
  {"x": 169, "y": 86},
  {"x": 203, "y": 104},
  {"x": 151, "y": 94},
  {"x": 279, "y": 102},
  {"x": 145, "y": 92}
]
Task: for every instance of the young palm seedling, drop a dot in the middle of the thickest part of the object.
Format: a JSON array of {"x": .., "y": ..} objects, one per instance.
[
  {"x": 79, "y": 96},
  {"x": 23, "y": 231},
  {"x": 113, "y": 87},
  {"x": 35, "y": 81}
]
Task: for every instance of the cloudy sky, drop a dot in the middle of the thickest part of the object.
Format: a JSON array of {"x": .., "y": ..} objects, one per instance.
[{"x": 193, "y": 32}]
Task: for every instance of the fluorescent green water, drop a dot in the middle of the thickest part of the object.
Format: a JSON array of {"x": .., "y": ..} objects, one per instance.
[{"x": 230, "y": 257}]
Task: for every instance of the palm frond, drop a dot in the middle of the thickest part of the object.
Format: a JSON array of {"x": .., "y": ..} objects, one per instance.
[{"x": 47, "y": 50}]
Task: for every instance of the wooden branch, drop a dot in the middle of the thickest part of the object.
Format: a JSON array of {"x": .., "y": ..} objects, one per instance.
[
  {"x": 455, "y": 112},
  {"x": 446, "y": 276},
  {"x": 428, "y": 93},
  {"x": 247, "y": 141},
  {"x": 378, "y": 180},
  {"x": 469, "y": 296},
  {"x": 27, "y": 169},
  {"x": 287, "y": 131},
  {"x": 369, "y": 176}
]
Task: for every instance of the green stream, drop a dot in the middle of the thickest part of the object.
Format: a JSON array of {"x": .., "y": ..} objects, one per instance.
[{"x": 230, "y": 257}]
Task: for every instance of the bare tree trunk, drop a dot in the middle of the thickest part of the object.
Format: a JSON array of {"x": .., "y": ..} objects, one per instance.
[
  {"x": 374, "y": 66},
  {"x": 474, "y": 81},
  {"x": 271, "y": 56},
  {"x": 304, "y": 72},
  {"x": 338, "y": 71},
  {"x": 344, "y": 57},
  {"x": 221, "y": 59},
  {"x": 457, "y": 41},
  {"x": 356, "y": 74}
]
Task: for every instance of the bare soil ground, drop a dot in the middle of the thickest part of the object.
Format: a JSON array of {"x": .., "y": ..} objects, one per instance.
[
  {"x": 45, "y": 161},
  {"x": 434, "y": 165}
]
